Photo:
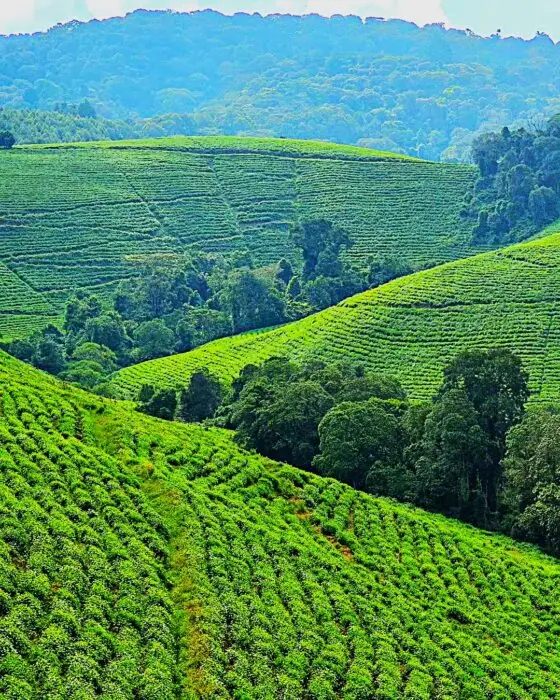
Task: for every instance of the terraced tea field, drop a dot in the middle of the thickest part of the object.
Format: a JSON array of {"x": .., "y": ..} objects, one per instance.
[
  {"x": 141, "y": 559},
  {"x": 411, "y": 327},
  {"x": 85, "y": 216}
]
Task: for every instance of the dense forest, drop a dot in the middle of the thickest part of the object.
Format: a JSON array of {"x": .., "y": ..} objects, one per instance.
[
  {"x": 385, "y": 84},
  {"x": 517, "y": 192},
  {"x": 68, "y": 124}
]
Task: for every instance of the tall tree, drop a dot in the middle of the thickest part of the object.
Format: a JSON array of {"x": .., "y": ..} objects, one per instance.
[
  {"x": 200, "y": 400},
  {"x": 356, "y": 438}
]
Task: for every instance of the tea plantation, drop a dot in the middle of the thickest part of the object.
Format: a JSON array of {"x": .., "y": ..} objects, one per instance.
[
  {"x": 85, "y": 216},
  {"x": 148, "y": 560},
  {"x": 411, "y": 327}
]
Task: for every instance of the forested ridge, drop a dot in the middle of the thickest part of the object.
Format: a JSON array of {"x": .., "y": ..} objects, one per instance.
[{"x": 385, "y": 84}]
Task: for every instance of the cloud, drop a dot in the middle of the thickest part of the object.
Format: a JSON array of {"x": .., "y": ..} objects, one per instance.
[
  {"x": 14, "y": 14},
  {"x": 101, "y": 9}
]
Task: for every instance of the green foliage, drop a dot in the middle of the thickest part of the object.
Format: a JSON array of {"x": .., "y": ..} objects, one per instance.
[
  {"x": 7, "y": 140},
  {"x": 385, "y": 84},
  {"x": 153, "y": 339},
  {"x": 357, "y": 438},
  {"x": 75, "y": 123},
  {"x": 518, "y": 191},
  {"x": 411, "y": 328},
  {"x": 149, "y": 560},
  {"x": 201, "y": 399},
  {"x": 278, "y": 408},
  {"x": 120, "y": 209},
  {"x": 531, "y": 497},
  {"x": 160, "y": 404}
]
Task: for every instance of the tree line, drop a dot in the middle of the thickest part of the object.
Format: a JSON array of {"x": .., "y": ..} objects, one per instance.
[
  {"x": 69, "y": 122},
  {"x": 177, "y": 303},
  {"x": 517, "y": 192},
  {"x": 475, "y": 452}
]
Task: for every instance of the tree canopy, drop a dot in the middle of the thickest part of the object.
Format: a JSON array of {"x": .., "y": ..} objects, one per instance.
[{"x": 385, "y": 84}]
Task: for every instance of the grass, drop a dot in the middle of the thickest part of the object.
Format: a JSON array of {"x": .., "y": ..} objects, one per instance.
[
  {"x": 411, "y": 327},
  {"x": 85, "y": 216},
  {"x": 141, "y": 559}
]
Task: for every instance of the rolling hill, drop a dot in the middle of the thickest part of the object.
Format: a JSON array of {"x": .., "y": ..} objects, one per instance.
[
  {"x": 147, "y": 560},
  {"x": 411, "y": 327},
  {"x": 85, "y": 216}
]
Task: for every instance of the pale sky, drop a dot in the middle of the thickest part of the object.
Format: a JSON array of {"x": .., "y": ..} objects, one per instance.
[{"x": 517, "y": 17}]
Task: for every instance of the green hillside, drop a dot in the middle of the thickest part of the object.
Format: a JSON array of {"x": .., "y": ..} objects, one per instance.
[
  {"x": 84, "y": 217},
  {"x": 411, "y": 327},
  {"x": 143, "y": 561}
]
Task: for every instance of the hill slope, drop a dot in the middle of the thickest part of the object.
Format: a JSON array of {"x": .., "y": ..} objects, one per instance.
[
  {"x": 420, "y": 91},
  {"x": 85, "y": 217},
  {"x": 412, "y": 327},
  {"x": 141, "y": 560}
]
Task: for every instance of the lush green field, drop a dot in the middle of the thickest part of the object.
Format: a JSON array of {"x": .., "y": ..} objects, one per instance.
[
  {"x": 85, "y": 217},
  {"x": 412, "y": 327},
  {"x": 141, "y": 559}
]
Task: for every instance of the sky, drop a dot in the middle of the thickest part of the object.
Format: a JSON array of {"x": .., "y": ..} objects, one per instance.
[{"x": 513, "y": 17}]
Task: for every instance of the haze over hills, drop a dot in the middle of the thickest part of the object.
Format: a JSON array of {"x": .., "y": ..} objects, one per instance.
[
  {"x": 160, "y": 560},
  {"x": 86, "y": 217},
  {"x": 411, "y": 327},
  {"x": 387, "y": 84}
]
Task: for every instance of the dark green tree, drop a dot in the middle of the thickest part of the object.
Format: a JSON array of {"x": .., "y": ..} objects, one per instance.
[
  {"x": 153, "y": 339},
  {"x": 284, "y": 271},
  {"x": 107, "y": 329},
  {"x": 497, "y": 387},
  {"x": 530, "y": 498},
  {"x": 86, "y": 110},
  {"x": 49, "y": 356},
  {"x": 356, "y": 439},
  {"x": 7, "y": 140},
  {"x": 452, "y": 470},
  {"x": 321, "y": 245},
  {"x": 201, "y": 399},
  {"x": 161, "y": 404},
  {"x": 252, "y": 301}
]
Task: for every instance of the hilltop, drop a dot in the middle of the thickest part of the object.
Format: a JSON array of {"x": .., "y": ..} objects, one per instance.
[
  {"x": 411, "y": 327},
  {"x": 85, "y": 217},
  {"x": 388, "y": 84},
  {"x": 142, "y": 559}
]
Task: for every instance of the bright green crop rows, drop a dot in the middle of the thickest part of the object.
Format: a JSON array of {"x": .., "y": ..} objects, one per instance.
[
  {"x": 85, "y": 217},
  {"x": 412, "y": 327},
  {"x": 143, "y": 560}
]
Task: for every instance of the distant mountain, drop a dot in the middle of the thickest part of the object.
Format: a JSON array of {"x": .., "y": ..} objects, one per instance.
[{"x": 384, "y": 84}]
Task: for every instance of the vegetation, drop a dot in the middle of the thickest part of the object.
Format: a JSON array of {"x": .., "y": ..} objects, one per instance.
[
  {"x": 70, "y": 123},
  {"x": 141, "y": 562},
  {"x": 410, "y": 328},
  {"x": 87, "y": 219},
  {"x": 187, "y": 302},
  {"x": 7, "y": 140},
  {"x": 346, "y": 423},
  {"x": 384, "y": 84},
  {"x": 518, "y": 191}
]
